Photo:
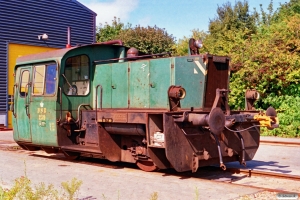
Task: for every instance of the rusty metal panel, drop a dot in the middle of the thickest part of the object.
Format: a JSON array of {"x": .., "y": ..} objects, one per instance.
[
  {"x": 217, "y": 77},
  {"x": 158, "y": 155},
  {"x": 139, "y": 84},
  {"x": 178, "y": 149},
  {"x": 122, "y": 117},
  {"x": 140, "y": 118},
  {"x": 158, "y": 85},
  {"x": 190, "y": 73},
  {"x": 110, "y": 145},
  {"x": 119, "y": 85},
  {"x": 91, "y": 135},
  {"x": 112, "y": 117}
]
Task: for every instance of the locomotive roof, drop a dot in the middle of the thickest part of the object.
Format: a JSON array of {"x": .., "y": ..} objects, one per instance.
[
  {"x": 43, "y": 55},
  {"x": 54, "y": 53}
]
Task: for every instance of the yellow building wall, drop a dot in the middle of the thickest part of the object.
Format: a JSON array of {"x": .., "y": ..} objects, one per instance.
[{"x": 15, "y": 51}]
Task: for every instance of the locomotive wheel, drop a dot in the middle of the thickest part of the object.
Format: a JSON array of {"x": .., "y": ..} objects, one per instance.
[{"x": 147, "y": 166}]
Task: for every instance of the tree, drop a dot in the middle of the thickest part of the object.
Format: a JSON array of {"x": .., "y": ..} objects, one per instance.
[
  {"x": 149, "y": 40},
  {"x": 233, "y": 18},
  {"x": 110, "y": 32},
  {"x": 183, "y": 44},
  {"x": 231, "y": 26},
  {"x": 265, "y": 55}
]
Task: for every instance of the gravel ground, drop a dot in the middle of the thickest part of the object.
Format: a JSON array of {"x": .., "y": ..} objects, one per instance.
[
  {"x": 265, "y": 195},
  {"x": 259, "y": 196}
]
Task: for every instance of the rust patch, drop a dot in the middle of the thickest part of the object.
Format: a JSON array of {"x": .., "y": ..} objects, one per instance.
[{"x": 120, "y": 117}]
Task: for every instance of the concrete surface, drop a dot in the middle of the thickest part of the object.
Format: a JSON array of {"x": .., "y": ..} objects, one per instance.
[
  {"x": 102, "y": 182},
  {"x": 115, "y": 182}
]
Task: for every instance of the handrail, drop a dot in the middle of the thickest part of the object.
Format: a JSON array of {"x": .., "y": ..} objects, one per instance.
[
  {"x": 135, "y": 57},
  {"x": 60, "y": 103},
  {"x": 112, "y": 42},
  {"x": 96, "y": 101},
  {"x": 78, "y": 111},
  {"x": 13, "y": 99},
  {"x": 27, "y": 102}
]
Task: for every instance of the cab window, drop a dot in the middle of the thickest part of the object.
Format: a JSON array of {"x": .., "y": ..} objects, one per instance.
[
  {"x": 44, "y": 81},
  {"x": 76, "y": 76},
  {"x": 24, "y": 83}
]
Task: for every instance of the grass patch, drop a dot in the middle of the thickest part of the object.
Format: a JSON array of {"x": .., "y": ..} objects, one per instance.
[{"x": 23, "y": 190}]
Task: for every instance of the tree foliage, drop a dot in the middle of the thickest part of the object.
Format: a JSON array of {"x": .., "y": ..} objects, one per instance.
[
  {"x": 150, "y": 40},
  {"x": 183, "y": 44},
  {"x": 110, "y": 31},
  {"x": 265, "y": 54},
  {"x": 235, "y": 17}
]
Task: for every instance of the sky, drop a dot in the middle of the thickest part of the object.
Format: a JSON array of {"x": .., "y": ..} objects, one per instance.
[{"x": 178, "y": 17}]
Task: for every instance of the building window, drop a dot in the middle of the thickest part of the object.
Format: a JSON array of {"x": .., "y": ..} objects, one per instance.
[
  {"x": 76, "y": 76},
  {"x": 44, "y": 82}
]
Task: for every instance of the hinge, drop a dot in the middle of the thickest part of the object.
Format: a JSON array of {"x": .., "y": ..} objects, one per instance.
[
  {"x": 128, "y": 69},
  {"x": 172, "y": 65},
  {"x": 128, "y": 101}
]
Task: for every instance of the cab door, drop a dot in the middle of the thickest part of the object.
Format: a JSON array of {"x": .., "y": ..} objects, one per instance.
[
  {"x": 22, "y": 95},
  {"x": 43, "y": 110}
]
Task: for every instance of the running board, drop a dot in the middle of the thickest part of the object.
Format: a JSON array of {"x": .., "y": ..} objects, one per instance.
[{"x": 81, "y": 148}]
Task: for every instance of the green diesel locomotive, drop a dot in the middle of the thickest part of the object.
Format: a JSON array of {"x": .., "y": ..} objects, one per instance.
[{"x": 108, "y": 101}]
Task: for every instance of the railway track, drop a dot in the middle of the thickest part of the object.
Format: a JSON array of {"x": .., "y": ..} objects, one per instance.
[
  {"x": 280, "y": 143},
  {"x": 252, "y": 172}
]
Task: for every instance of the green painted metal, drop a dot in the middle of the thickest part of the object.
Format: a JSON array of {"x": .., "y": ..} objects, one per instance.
[
  {"x": 22, "y": 106},
  {"x": 43, "y": 121},
  {"x": 36, "y": 116},
  {"x": 190, "y": 74},
  {"x": 103, "y": 77},
  {"x": 158, "y": 85},
  {"x": 139, "y": 84},
  {"x": 119, "y": 85}
]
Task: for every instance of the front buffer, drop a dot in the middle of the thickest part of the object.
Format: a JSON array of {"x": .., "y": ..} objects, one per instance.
[{"x": 195, "y": 139}]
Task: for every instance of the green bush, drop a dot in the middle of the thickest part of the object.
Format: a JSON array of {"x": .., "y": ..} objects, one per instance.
[{"x": 288, "y": 113}]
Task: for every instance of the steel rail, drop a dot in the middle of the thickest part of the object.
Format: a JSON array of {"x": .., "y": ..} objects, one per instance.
[
  {"x": 251, "y": 172},
  {"x": 279, "y": 142}
]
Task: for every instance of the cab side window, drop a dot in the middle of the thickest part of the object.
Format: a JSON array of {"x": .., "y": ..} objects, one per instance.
[
  {"x": 24, "y": 83},
  {"x": 76, "y": 76},
  {"x": 44, "y": 82}
]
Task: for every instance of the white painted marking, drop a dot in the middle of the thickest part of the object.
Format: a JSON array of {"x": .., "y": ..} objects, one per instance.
[
  {"x": 143, "y": 67},
  {"x": 200, "y": 67},
  {"x": 195, "y": 71}
]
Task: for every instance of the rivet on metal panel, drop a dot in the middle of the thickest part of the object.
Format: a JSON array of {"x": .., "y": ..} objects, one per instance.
[
  {"x": 229, "y": 152},
  {"x": 205, "y": 155},
  {"x": 152, "y": 85},
  {"x": 195, "y": 163}
]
